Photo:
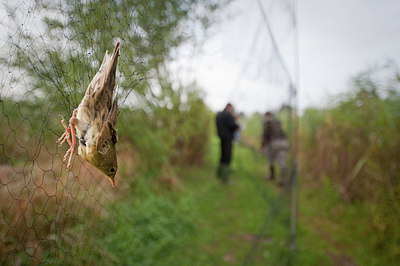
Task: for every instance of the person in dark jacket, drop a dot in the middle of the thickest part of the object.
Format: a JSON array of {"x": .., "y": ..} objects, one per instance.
[
  {"x": 275, "y": 146},
  {"x": 226, "y": 127}
]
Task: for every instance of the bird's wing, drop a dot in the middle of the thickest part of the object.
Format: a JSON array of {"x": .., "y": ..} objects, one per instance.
[
  {"x": 108, "y": 137},
  {"x": 112, "y": 115},
  {"x": 112, "y": 120}
]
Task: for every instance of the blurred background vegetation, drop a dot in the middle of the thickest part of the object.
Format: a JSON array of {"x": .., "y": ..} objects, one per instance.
[
  {"x": 168, "y": 208},
  {"x": 351, "y": 149}
]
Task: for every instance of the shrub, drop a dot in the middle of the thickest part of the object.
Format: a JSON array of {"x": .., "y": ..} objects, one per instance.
[
  {"x": 355, "y": 144},
  {"x": 150, "y": 232}
]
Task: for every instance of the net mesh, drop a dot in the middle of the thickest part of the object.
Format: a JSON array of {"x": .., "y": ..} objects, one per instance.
[
  {"x": 50, "y": 51},
  {"x": 45, "y": 69}
]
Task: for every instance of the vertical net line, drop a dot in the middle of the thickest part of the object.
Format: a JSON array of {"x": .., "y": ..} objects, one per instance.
[{"x": 290, "y": 192}]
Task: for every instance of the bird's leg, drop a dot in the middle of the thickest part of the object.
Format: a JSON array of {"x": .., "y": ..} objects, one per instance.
[
  {"x": 72, "y": 145},
  {"x": 65, "y": 136},
  {"x": 69, "y": 132}
]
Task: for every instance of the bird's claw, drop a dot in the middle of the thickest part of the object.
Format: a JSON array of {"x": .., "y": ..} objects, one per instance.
[{"x": 69, "y": 137}]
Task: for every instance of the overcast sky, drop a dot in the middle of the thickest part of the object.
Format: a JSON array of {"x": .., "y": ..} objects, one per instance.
[{"x": 337, "y": 40}]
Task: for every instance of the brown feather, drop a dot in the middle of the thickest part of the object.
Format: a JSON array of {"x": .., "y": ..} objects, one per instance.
[{"x": 97, "y": 117}]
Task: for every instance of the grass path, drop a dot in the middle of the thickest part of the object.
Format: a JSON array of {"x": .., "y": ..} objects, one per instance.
[
  {"x": 230, "y": 217},
  {"x": 246, "y": 223}
]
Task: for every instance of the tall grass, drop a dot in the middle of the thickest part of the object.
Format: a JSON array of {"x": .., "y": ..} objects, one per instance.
[{"x": 355, "y": 144}]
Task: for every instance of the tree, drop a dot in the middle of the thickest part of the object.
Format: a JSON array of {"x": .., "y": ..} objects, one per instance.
[{"x": 64, "y": 52}]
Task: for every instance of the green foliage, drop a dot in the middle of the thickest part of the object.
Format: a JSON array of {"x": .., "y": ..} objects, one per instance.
[
  {"x": 312, "y": 119},
  {"x": 149, "y": 231},
  {"x": 78, "y": 33},
  {"x": 25, "y": 127},
  {"x": 252, "y": 131},
  {"x": 354, "y": 144},
  {"x": 150, "y": 132}
]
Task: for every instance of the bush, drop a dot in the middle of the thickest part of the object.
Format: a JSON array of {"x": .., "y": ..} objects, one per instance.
[
  {"x": 150, "y": 232},
  {"x": 355, "y": 144}
]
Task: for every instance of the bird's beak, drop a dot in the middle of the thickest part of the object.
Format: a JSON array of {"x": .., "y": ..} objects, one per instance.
[{"x": 112, "y": 181}]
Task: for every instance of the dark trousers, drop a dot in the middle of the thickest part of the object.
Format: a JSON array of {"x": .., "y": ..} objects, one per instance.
[{"x": 226, "y": 151}]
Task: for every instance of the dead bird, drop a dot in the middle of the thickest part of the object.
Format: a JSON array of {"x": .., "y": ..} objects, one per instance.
[{"x": 95, "y": 120}]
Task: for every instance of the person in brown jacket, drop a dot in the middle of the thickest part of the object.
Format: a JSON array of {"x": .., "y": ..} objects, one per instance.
[{"x": 275, "y": 146}]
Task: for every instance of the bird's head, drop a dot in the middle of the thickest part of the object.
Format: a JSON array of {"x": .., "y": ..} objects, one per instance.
[
  {"x": 106, "y": 163},
  {"x": 107, "y": 155},
  {"x": 109, "y": 166},
  {"x": 109, "y": 169}
]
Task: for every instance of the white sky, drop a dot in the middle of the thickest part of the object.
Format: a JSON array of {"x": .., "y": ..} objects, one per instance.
[{"x": 337, "y": 40}]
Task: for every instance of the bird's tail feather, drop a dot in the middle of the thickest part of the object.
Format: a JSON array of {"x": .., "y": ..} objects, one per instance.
[{"x": 105, "y": 78}]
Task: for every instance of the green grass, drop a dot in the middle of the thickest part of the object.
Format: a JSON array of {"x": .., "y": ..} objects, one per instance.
[
  {"x": 342, "y": 230},
  {"x": 228, "y": 215},
  {"x": 208, "y": 223}
]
